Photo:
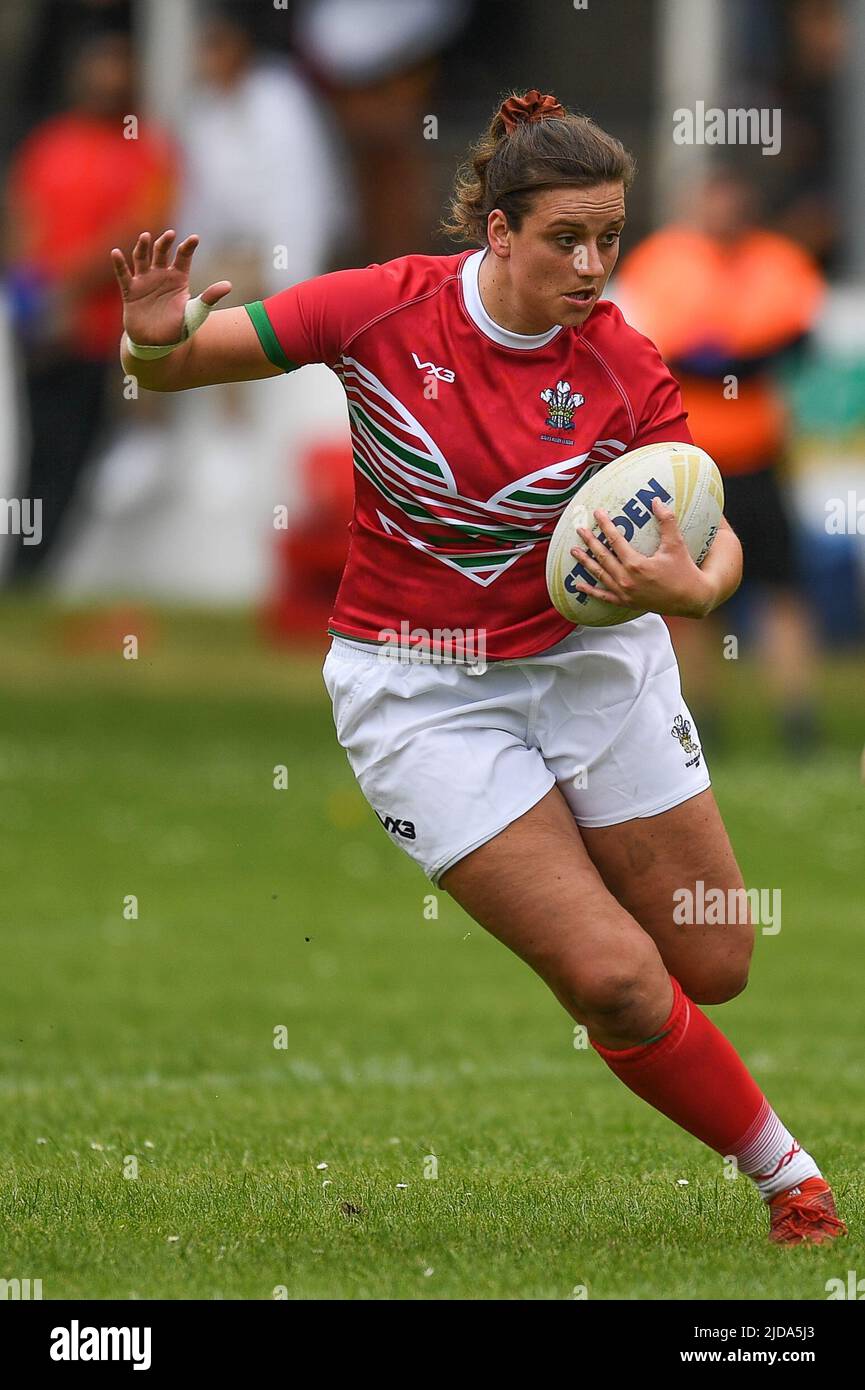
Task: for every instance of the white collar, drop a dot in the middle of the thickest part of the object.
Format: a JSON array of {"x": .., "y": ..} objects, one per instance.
[{"x": 478, "y": 314}]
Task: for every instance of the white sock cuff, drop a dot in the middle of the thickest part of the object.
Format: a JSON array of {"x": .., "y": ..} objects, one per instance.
[{"x": 772, "y": 1157}]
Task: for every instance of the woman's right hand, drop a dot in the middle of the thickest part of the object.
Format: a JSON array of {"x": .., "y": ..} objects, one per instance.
[{"x": 155, "y": 291}]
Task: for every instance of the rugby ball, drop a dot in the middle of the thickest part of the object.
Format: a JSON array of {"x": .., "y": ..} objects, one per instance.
[{"x": 680, "y": 475}]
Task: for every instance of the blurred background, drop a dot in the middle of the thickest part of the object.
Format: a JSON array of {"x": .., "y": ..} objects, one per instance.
[
  {"x": 305, "y": 136},
  {"x": 188, "y": 864}
]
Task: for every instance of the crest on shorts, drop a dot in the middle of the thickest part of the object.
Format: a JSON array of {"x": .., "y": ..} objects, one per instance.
[
  {"x": 561, "y": 403},
  {"x": 682, "y": 731}
]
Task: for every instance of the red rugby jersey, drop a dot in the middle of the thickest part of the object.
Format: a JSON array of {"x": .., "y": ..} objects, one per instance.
[{"x": 469, "y": 441}]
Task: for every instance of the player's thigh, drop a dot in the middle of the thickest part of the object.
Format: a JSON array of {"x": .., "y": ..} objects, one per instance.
[
  {"x": 653, "y": 864},
  {"x": 534, "y": 887}
]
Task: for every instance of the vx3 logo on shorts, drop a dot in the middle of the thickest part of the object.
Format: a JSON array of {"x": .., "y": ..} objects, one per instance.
[
  {"x": 440, "y": 373},
  {"x": 404, "y": 828},
  {"x": 682, "y": 731}
]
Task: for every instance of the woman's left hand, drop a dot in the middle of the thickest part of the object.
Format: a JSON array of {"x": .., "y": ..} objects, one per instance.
[{"x": 667, "y": 582}]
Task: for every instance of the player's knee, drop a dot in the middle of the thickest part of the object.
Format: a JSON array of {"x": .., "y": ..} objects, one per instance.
[
  {"x": 719, "y": 985},
  {"x": 610, "y": 994}
]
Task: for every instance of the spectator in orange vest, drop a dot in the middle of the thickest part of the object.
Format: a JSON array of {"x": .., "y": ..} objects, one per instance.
[{"x": 725, "y": 300}]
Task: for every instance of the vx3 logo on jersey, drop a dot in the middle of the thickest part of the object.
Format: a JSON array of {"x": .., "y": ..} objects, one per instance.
[{"x": 440, "y": 373}]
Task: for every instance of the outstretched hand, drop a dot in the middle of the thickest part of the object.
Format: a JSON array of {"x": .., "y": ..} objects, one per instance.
[{"x": 155, "y": 289}]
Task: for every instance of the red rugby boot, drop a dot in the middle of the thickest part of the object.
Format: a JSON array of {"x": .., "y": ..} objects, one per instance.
[{"x": 805, "y": 1213}]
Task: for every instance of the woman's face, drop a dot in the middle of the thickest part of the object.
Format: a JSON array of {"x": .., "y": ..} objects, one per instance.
[{"x": 561, "y": 258}]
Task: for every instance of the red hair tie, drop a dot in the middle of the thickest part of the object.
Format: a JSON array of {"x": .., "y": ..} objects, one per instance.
[{"x": 532, "y": 107}]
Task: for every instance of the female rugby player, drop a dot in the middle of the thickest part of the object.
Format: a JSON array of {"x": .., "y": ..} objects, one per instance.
[{"x": 549, "y": 777}]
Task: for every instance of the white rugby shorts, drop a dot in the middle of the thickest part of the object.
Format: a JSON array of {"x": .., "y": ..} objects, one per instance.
[{"x": 447, "y": 757}]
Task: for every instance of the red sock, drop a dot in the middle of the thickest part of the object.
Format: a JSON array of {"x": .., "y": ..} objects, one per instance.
[{"x": 692, "y": 1074}]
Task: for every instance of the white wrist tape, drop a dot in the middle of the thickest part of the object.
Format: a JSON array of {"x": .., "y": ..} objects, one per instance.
[{"x": 194, "y": 314}]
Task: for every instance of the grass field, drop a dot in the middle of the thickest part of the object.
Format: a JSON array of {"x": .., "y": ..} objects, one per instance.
[{"x": 411, "y": 1043}]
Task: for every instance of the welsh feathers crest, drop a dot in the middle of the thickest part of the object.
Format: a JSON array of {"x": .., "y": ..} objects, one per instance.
[{"x": 562, "y": 404}]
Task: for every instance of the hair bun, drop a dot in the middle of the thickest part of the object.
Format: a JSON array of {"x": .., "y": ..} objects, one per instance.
[{"x": 532, "y": 107}]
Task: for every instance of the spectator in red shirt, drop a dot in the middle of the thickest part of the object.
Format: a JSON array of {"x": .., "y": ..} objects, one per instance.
[{"x": 81, "y": 182}]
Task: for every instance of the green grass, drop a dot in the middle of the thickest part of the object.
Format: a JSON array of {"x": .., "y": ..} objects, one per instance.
[{"x": 405, "y": 1037}]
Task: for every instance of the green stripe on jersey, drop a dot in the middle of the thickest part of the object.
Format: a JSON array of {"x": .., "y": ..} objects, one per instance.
[
  {"x": 267, "y": 337},
  {"x": 387, "y": 441}
]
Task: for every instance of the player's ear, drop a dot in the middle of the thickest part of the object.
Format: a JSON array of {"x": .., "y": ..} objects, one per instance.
[{"x": 498, "y": 231}]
